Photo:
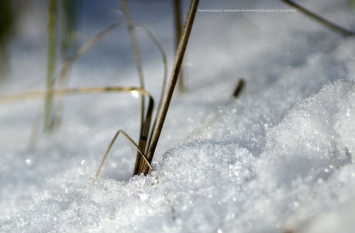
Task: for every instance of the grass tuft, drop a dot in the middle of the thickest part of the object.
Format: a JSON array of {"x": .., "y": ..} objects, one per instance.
[{"x": 150, "y": 129}]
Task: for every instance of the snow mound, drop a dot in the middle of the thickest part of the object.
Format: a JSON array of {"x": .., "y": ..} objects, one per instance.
[
  {"x": 215, "y": 186},
  {"x": 309, "y": 142}
]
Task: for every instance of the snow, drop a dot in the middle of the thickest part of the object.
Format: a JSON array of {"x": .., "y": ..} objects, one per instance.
[{"x": 277, "y": 159}]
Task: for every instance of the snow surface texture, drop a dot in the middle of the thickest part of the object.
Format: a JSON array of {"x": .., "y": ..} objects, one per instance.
[{"x": 277, "y": 159}]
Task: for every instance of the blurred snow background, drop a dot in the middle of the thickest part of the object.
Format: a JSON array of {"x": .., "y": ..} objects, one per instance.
[{"x": 277, "y": 159}]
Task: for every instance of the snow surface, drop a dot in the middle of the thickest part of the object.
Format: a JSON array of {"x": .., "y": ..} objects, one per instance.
[{"x": 277, "y": 159}]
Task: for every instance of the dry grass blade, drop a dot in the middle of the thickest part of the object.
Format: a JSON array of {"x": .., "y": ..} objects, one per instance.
[
  {"x": 88, "y": 45},
  {"x": 132, "y": 35},
  {"x": 173, "y": 79},
  {"x": 85, "y": 48},
  {"x": 68, "y": 63},
  {"x": 39, "y": 94},
  {"x": 320, "y": 19},
  {"x": 143, "y": 131},
  {"x": 146, "y": 123},
  {"x": 70, "y": 91},
  {"x": 178, "y": 27},
  {"x": 110, "y": 146},
  {"x": 165, "y": 61}
]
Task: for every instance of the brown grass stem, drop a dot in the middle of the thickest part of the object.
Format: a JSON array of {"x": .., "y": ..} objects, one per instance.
[
  {"x": 143, "y": 131},
  {"x": 178, "y": 29},
  {"x": 173, "y": 79}
]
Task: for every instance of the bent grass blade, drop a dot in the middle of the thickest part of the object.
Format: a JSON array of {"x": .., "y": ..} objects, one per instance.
[
  {"x": 110, "y": 146},
  {"x": 69, "y": 91},
  {"x": 144, "y": 131},
  {"x": 87, "y": 46}
]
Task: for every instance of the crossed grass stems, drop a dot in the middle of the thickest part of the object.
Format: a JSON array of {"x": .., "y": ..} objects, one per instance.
[{"x": 149, "y": 131}]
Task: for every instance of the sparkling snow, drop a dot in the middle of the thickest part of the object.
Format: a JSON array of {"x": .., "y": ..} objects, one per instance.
[{"x": 277, "y": 159}]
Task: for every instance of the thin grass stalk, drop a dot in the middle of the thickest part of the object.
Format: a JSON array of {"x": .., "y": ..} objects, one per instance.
[
  {"x": 173, "y": 79},
  {"x": 144, "y": 136},
  {"x": 321, "y": 20},
  {"x": 68, "y": 91},
  {"x": 80, "y": 52},
  {"x": 165, "y": 76},
  {"x": 87, "y": 46},
  {"x": 143, "y": 133},
  {"x": 132, "y": 35},
  {"x": 63, "y": 72},
  {"x": 178, "y": 27},
  {"x": 71, "y": 91},
  {"x": 110, "y": 146},
  {"x": 51, "y": 54}
]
